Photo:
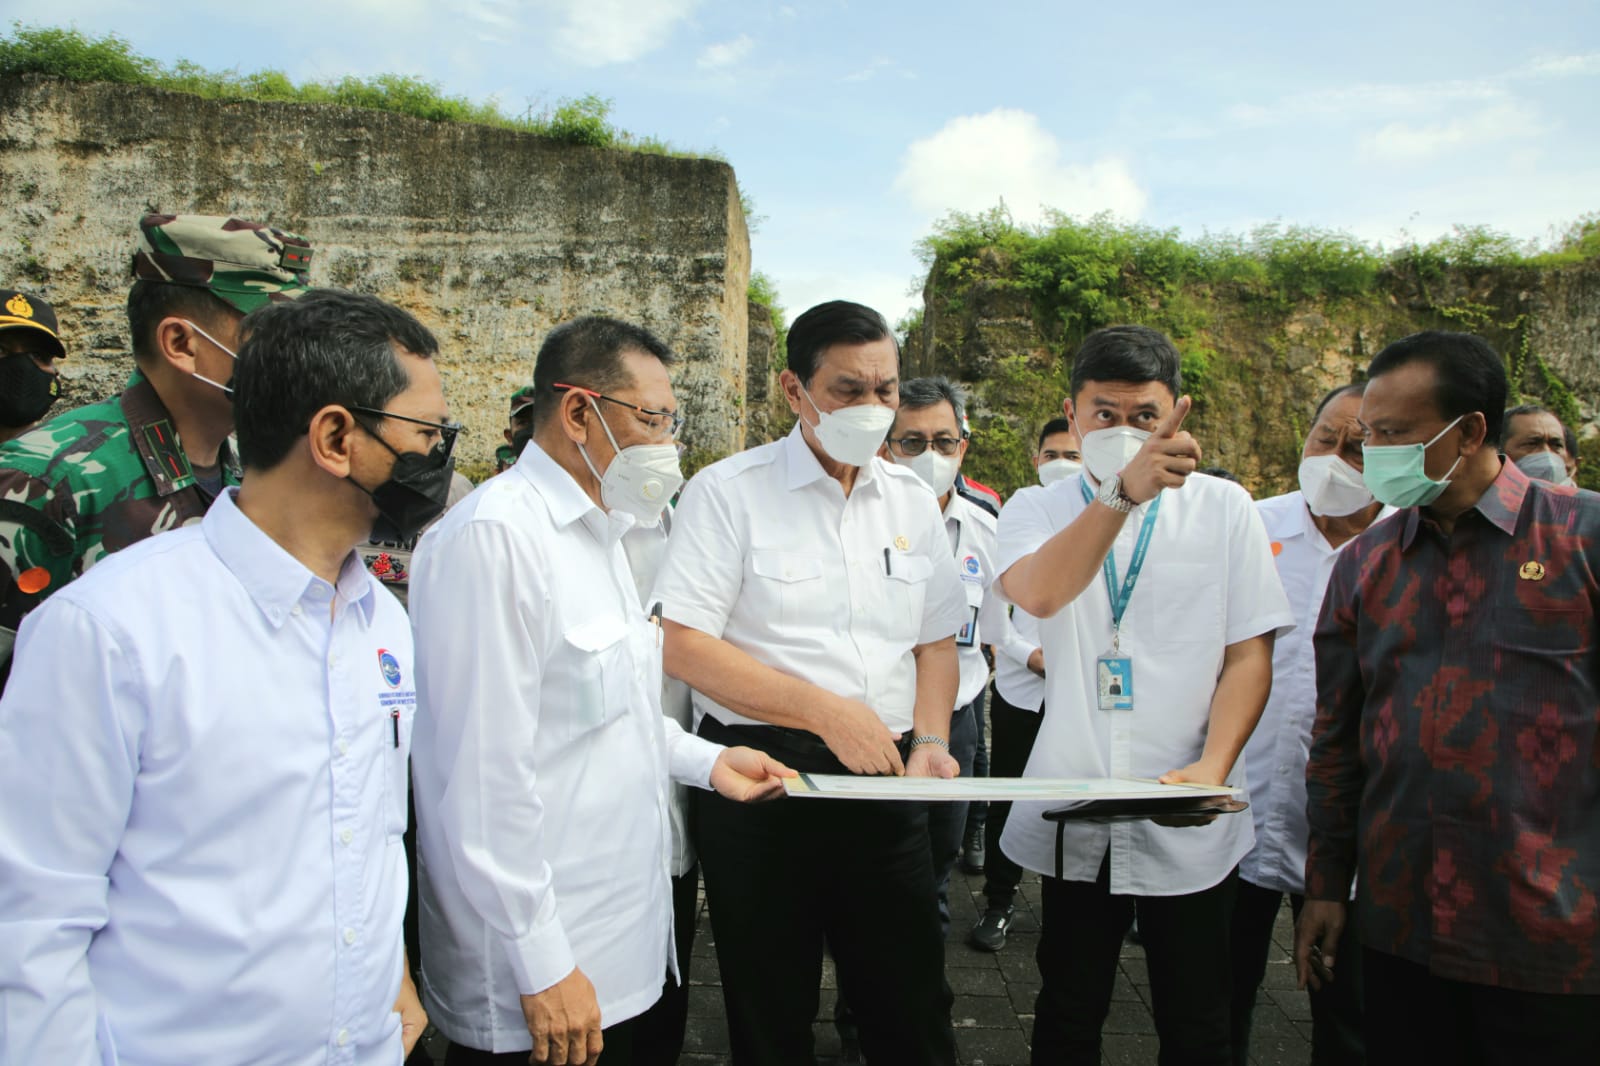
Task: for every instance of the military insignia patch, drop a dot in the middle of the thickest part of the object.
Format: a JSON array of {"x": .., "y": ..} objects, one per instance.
[
  {"x": 1531, "y": 571},
  {"x": 19, "y": 306}
]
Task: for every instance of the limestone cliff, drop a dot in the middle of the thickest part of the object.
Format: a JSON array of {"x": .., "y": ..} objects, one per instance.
[{"x": 490, "y": 236}]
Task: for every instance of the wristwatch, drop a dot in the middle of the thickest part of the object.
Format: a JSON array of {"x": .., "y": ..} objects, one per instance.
[{"x": 1112, "y": 496}]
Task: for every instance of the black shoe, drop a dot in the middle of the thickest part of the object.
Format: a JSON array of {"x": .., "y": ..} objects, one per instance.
[
  {"x": 972, "y": 852},
  {"x": 990, "y": 932}
]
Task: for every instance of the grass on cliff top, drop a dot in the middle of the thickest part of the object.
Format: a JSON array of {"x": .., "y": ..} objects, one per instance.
[{"x": 68, "y": 53}]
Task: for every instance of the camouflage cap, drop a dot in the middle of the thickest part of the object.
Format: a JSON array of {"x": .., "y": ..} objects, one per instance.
[
  {"x": 19, "y": 310},
  {"x": 246, "y": 264},
  {"x": 521, "y": 400}
]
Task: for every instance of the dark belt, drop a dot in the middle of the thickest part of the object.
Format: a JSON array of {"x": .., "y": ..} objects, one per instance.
[{"x": 780, "y": 741}]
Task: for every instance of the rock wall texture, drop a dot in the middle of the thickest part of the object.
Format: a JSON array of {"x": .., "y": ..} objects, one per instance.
[
  {"x": 1257, "y": 368},
  {"x": 490, "y": 236}
]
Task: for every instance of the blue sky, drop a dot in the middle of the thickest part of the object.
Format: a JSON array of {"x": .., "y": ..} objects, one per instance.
[{"x": 854, "y": 126}]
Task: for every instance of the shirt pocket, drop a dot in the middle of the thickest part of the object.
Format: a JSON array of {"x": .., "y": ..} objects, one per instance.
[
  {"x": 395, "y": 745},
  {"x": 1184, "y": 604},
  {"x": 906, "y": 595},
  {"x": 600, "y": 667},
  {"x": 787, "y": 586}
]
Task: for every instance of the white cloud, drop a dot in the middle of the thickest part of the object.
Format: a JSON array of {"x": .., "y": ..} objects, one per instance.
[
  {"x": 975, "y": 161},
  {"x": 595, "y": 33},
  {"x": 1403, "y": 142},
  {"x": 725, "y": 53},
  {"x": 1563, "y": 66},
  {"x": 888, "y": 294}
]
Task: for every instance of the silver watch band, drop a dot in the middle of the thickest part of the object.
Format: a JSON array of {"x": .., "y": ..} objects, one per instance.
[{"x": 1112, "y": 496}]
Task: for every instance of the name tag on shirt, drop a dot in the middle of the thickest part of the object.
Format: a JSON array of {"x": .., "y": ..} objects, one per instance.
[
  {"x": 1114, "y": 681},
  {"x": 968, "y": 634}
]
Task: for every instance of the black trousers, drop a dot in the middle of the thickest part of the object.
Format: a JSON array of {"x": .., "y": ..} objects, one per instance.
[
  {"x": 1336, "y": 1025},
  {"x": 1013, "y": 732},
  {"x": 783, "y": 877},
  {"x": 1186, "y": 946},
  {"x": 947, "y": 821},
  {"x": 658, "y": 1037},
  {"x": 1415, "y": 1017}
]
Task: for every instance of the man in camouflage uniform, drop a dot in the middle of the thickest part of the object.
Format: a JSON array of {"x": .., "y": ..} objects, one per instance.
[
  {"x": 30, "y": 344},
  {"x": 102, "y": 477},
  {"x": 519, "y": 429}
]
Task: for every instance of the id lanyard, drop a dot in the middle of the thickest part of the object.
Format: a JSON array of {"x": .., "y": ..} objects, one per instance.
[{"x": 1120, "y": 597}]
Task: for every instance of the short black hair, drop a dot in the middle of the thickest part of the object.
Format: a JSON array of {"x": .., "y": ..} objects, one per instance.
[
  {"x": 1358, "y": 388},
  {"x": 1054, "y": 426},
  {"x": 149, "y": 302},
  {"x": 329, "y": 346},
  {"x": 1470, "y": 375},
  {"x": 823, "y": 326},
  {"x": 920, "y": 393},
  {"x": 588, "y": 352},
  {"x": 1128, "y": 353},
  {"x": 1523, "y": 409}
]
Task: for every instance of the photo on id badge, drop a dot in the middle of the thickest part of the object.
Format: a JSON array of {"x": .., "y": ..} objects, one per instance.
[{"x": 1114, "y": 680}]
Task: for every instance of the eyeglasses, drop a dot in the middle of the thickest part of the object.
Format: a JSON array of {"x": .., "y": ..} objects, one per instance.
[
  {"x": 914, "y": 446},
  {"x": 661, "y": 423},
  {"x": 448, "y": 431}
]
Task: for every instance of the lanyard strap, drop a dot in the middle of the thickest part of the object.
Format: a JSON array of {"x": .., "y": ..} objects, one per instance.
[{"x": 1119, "y": 598}]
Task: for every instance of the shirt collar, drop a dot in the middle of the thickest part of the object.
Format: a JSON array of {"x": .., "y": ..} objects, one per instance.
[
  {"x": 1501, "y": 504},
  {"x": 276, "y": 580},
  {"x": 156, "y": 439},
  {"x": 804, "y": 468},
  {"x": 565, "y": 498}
]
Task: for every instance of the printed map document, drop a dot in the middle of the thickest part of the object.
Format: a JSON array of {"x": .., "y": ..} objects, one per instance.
[{"x": 959, "y": 789}]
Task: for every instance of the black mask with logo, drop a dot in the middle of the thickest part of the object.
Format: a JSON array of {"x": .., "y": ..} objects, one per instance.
[
  {"x": 26, "y": 391},
  {"x": 414, "y": 494}
]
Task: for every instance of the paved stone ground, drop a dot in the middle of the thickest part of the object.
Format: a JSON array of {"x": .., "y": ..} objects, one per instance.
[{"x": 994, "y": 997}]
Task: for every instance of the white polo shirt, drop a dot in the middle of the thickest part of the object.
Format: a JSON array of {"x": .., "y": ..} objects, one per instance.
[
  {"x": 1018, "y": 685},
  {"x": 1276, "y": 755},
  {"x": 542, "y": 759},
  {"x": 202, "y": 795},
  {"x": 1208, "y": 582},
  {"x": 972, "y": 533},
  {"x": 769, "y": 554}
]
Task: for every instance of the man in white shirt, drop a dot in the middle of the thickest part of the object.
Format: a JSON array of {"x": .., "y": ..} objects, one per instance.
[
  {"x": 812, "y": 604},
  {"x": 543, "y": 760},
  {"x": 1158, "y": 605},
  {"x": 203, "y": 748},
  {"x": 1016, "y": 704},
  {"x": 926, "y": 438},
  {"x": 1308, "y": 528}
]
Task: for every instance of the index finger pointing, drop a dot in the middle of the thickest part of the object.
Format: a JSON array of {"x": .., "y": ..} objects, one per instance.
[{"x": 1174, "y": 421}]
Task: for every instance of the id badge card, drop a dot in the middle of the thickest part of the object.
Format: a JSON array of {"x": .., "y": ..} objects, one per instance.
[
  {"x": 968, "y": 634},
  {"x": 1114, "y": 681}
]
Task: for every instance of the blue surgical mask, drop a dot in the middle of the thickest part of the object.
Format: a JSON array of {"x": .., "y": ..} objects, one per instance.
[{"x": 1397, "y": 473}]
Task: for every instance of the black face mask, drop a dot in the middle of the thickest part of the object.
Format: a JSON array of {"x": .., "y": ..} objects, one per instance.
[
  {"x": 414, "y": 494},
  {"x": 26, "y": 392}
]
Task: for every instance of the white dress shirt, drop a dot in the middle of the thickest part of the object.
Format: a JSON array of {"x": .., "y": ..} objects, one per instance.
[
  {"x": 646, "y": 546},
  {"x": 543, "y": 759},
  {"x": 203, "y": 801},
  {"x": 1018, "y": 685},
  {"x": 972, "y": 539},
  {"x": 1207, "y": 582},
  {"x": 769, "y": 554},
  {"x": 1278, "y": 750}
]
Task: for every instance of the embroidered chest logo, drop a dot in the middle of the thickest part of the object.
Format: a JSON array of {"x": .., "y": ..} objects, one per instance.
[
  {"x": 390, "y": 666},
  {"x": 902, "y": 544},
  {"x": 970, "y": 565}
]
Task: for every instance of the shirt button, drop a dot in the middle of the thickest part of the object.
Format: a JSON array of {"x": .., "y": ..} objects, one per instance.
[
  {"x": 296, "y": 611},
  {"x": 333, "y": 660},
  {"x": 349, "y": 936},
  {"x": 343, "y": 1037},
  {"x": 344, "y": 746},
  {"x": 346, "y": 836}
]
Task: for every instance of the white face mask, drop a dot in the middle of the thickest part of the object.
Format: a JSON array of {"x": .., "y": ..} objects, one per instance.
[
  {"x": 851, "y": 435},
  {"x": 1058, "y": 470},
  {"x": 228, "y": 389},
  {"x": 641, "y": 479},
  {"x": 1106, "y": 451},
  {"x": 1332, "y": 487},
  {"x": 938, "y": 472}
]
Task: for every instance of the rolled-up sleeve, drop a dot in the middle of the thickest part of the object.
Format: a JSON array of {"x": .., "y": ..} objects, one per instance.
[{"x": 70, "y": 728}]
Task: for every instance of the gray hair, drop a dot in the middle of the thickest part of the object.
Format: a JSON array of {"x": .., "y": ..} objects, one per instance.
[{"x": 919, "y": 393}]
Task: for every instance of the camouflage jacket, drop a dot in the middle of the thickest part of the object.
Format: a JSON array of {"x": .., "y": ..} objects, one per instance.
[{"x": 86, "y": 484}]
